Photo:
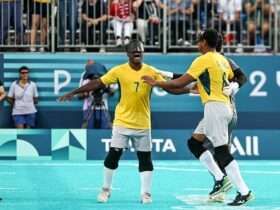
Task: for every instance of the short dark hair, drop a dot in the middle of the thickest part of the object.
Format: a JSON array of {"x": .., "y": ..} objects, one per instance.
[
  {"x": 210, "y": 36},
  {"x": 23, "y": 68}
]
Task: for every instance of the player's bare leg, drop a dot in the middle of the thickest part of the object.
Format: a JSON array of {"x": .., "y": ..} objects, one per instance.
[{"x": 110, "y": 165}]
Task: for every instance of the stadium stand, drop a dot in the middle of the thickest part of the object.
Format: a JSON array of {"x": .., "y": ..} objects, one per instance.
[{"x": 164, "y": 26}]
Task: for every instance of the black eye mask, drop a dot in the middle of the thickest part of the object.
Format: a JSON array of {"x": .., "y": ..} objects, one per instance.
[{"x": 135, "y": 47}]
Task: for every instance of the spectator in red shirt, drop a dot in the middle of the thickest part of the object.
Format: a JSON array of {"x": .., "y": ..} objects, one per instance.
[{"x": 122, "y": 13}]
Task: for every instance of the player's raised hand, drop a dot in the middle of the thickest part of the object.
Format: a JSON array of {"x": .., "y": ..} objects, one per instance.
[
  {"x": 66, "y": 97},
  {"x": 149, "y": 80}
]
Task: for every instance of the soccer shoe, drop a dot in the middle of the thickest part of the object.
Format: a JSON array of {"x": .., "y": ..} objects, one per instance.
[
  {"x": 104, "y": 195},
  {"x": 221, "y": 186},
  {"x": 146, "y": 198},
  {"x": 242, "y": 199}
]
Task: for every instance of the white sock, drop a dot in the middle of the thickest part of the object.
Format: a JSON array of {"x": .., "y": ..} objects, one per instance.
[
  {"x": 146, "y": 181},
  {"x": 108, "y": 176},
  {"x": 235, "y": 177},
  {"x": 206, "y": 158}
]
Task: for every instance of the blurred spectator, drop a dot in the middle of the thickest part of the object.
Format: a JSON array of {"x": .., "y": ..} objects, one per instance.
[
  {"x": 2, "y": 91},
  {"x": 11, "y": 14},
  {"x": 258, "y": 13},
  {"x": 27, "y": 15},
  {"x": 40, "y": 14},
  {"x": 179, "y": 12},
  {"x": 67, "y": 19},
  {"x": 148, "y": 19},
  {"x": 95, "y": 108},
  {"x": 204, "y": 14},
  {"x": 229, "y": 20},
  {"x": 122, "y": 13},
  {"x": 94, "y": 18},
  {"x": 23, "y": 96}
]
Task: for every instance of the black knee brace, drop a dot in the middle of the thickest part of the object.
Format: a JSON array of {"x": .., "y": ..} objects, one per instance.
[
  {"x": 113, "y": 157},
  {"x": 145, "y": 161},
  {"x": 222, "y": 156},
  {"x": 196, "y": 147}
]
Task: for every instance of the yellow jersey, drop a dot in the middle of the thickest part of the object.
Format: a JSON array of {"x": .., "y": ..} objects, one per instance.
[
  {"x": 212, "y": 72},
  {"x": 133, "y": 109}
]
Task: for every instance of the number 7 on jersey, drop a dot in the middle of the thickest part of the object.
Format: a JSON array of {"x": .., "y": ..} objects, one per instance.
[{"x": 136, "y": 86}]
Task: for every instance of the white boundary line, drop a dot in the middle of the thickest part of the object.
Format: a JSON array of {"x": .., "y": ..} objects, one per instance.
[
  {"x": 62, "y": 164},
  {"x": 96, "y": 189},
  {"x": 203, "y": 170},
  {"x": 69, "y": 164},
  {"x": 187, "y": 163},
  {"x": 259, "y": 163}
]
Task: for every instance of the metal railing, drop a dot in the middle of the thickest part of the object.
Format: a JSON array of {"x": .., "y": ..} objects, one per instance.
[
  {"x": 24, "y": 24},
  {"x": 168, "y": 26}
]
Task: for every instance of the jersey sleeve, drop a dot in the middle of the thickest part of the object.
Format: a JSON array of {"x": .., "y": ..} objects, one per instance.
[
  {"x": 159, "y": 77},
  {"x": 196, "y": 68},
  {"x": 110, "y": 77}
]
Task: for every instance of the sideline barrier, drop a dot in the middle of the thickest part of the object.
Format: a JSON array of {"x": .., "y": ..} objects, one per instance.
[{"x": 81, "y": 144}]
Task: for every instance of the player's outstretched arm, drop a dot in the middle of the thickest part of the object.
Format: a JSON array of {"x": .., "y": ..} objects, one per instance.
[
  {"x": 180, "y": 82},
  {"x": 91, "y": 86},
  {"x": 192, "y": 88},
  {"x": 176, "y": 75},
  {"x": 168, "y": 74},
  {"x": 178, "y": 91}
]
